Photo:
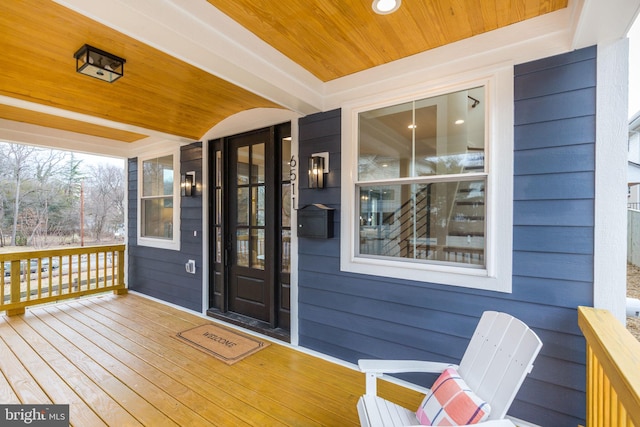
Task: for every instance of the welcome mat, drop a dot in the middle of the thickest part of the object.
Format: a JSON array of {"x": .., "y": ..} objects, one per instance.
[{"x": 222, "y": 343}]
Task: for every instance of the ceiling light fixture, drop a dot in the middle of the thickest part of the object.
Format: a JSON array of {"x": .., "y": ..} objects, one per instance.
[
  {"x": 97, "y": 63},
  {"x": 459, "y": 121},
  {"x": 385, "y": 7}
]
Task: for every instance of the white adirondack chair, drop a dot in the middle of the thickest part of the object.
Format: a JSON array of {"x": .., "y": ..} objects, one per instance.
[{"x": 496, "y": 362}]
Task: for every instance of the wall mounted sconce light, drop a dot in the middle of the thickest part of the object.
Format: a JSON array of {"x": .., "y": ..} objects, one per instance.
[
  {"x": 97, "y": 63},
  {"x": 318, "y": 166},
  {"x": 188, "y": 184}
]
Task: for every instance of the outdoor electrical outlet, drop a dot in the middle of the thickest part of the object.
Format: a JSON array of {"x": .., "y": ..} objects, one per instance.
[{"x": 190, "y": 266}]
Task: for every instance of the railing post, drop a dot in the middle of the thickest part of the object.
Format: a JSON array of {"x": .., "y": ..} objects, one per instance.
[
  {"x": 613, "y": 360},
  {"x": 15, "y": 288},
  {"x": 123, "y": 289}
]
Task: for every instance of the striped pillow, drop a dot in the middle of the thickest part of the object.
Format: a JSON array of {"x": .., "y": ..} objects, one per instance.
[{"x": 451, "y": 403}]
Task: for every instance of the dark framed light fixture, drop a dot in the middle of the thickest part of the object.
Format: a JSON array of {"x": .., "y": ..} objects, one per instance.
[
  {"x": 188, "y": 184},
  {"x": 318, "y": 166},
  {"x": 99, "y": 64}
]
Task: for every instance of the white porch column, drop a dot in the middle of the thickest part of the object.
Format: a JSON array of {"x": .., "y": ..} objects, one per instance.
[{"x": 610, "y": 223}]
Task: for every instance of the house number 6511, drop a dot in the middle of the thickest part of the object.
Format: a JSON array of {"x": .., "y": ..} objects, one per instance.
[{"x": 293, "y": 176}]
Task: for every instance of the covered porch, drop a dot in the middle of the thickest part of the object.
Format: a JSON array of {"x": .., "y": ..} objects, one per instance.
[{"x": 115, "y": 361}]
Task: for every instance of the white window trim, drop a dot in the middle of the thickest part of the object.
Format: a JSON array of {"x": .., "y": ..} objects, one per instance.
[
  {"x": 497, "y": 276},
  {"x": 174, "y": 243}
]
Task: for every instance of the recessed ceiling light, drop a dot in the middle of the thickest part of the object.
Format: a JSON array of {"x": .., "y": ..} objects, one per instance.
[
  {"x": 412, "y": 126},
  {"x": 459, "y": 122},
  {"x": 384, "y": 7}
]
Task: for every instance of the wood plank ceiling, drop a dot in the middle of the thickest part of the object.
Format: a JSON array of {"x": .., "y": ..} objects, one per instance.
[
  {"x": 329, "y": 38},
  {"x": 332, "y": 39}
]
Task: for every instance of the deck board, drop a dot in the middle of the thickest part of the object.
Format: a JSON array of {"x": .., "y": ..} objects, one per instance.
[
  {"x": 304, "y": 391},
  {"x": 83, "y": 385},
  {"x": 164, "y": 395},
  {"x": 112, "y": 386},
  {"x": 51, "y": 384},
  {"x": 116, "y": 361},
  {"x": 188, "y": 387},
  {"x": 181, "y": 366}
]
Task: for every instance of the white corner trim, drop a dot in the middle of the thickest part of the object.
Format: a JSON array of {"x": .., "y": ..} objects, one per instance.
[
  {"x": 295, "y": 290},
  {"x": 205, "y": 226},
  {"x": 610, "y": 215}
]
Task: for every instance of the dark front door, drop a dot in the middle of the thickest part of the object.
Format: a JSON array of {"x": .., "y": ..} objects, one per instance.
[
  {"x": 250, "y": 229},
  {"x": 251, "y": 225}
]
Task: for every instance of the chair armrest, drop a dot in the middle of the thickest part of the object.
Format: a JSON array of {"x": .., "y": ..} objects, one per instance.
[{"x": 374, "y": 366}]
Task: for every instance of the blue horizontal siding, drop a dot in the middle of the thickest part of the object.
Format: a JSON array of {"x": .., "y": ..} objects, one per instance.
[
  {"x": 557, "y": 186},
  {"x": 554, "y": 159},
  {"x": 560, "y": 106},
  {"x": 558, "y": 63},
  {"x": 553, "y": 265},
  {"x": 560, "y": 133},
  {"x": 577, "y": 213},
  {"x": 552, "y": 292},
  {"x": 551, "y": 81},
  {"x": 351, "y": 316},
  {"x": 571, "y": 240}
]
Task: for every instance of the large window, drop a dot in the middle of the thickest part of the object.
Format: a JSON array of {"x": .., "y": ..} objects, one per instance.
[
  {"x": 421, "y": 180},
  {"x": 428, "y": 203},
  {"x": 159, "y": 206}
]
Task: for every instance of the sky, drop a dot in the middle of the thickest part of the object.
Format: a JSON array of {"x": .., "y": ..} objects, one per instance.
[{"x": 89, "y": 160}]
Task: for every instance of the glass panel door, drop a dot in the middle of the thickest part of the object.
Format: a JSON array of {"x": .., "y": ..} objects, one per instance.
[{"x": 251, "y": 285}]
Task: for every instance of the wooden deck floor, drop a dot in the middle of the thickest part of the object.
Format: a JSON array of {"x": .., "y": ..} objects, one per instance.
[{"x": 114, "y": 360}]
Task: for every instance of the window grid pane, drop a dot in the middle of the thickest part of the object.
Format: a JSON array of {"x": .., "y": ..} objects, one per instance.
[
  {"x": 442, "y": 135},
  {"x": 157, "y": 218},
  {"x": 157, "y": 177},
  {"x": 427, "y": 160},
  {"x": 437, "y": 222}
]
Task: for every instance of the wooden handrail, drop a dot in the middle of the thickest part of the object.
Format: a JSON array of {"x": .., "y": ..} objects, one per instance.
[
  {"x": 613, "y": 370},
  {"x": 27, "y": 277}
]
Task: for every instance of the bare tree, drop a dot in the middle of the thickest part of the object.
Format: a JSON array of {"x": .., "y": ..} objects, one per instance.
[
  {"x": 37, "y": 192},
  {"x": 19, "y": 156},
  {"x": 40, "y": 195},
  {"x": 4, "y": 175},
  {"x": 50, "y": 178},
  {"x": 104, "y": 203}
]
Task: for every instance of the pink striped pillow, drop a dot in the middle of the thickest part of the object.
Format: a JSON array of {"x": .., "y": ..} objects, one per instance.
[{"x": 451, "y": 403}]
